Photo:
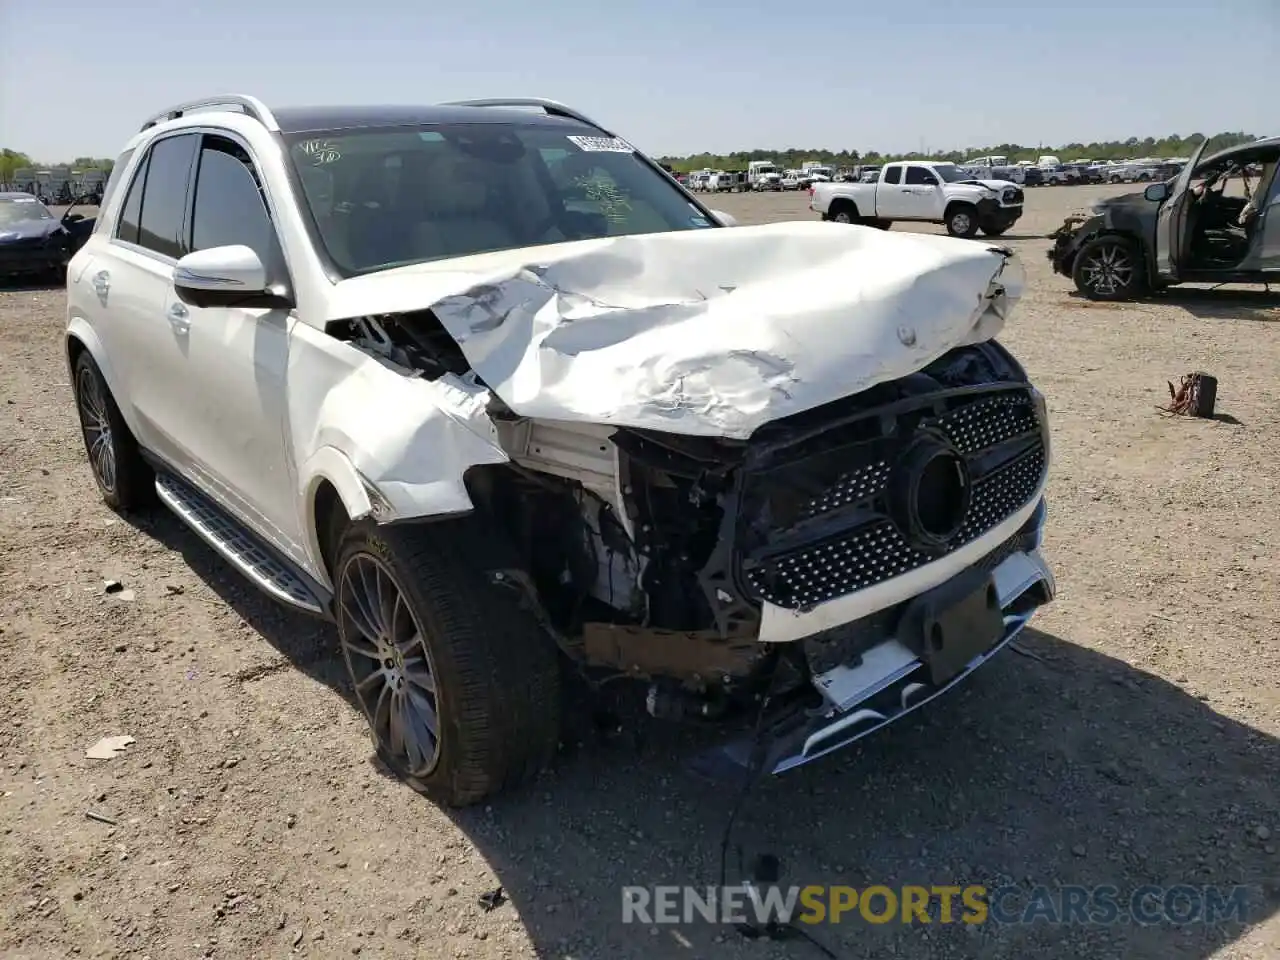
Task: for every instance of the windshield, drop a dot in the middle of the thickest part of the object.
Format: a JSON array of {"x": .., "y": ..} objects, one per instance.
[
  {"x": 23, "y": 208},
  {"x": 386, "y": 197},
  {"x": 950, "y": 173}
]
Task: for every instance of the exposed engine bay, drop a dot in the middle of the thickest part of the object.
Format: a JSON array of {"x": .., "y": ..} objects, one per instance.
[{"x": 652, "y": 554}]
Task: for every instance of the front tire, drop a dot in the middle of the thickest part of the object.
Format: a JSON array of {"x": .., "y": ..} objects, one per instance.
[
  {"x": 124, "y": 479},
  {"x": 458, "y": 683},
  {"x": 962, "y": 221},
  {"x": 1109, "y": 268}
]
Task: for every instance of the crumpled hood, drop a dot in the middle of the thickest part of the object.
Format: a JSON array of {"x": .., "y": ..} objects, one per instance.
[
  {"x": 989, "y": 184},
  {"x": 709, "y": 332}
]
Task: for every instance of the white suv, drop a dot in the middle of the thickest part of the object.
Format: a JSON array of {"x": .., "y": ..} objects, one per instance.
[{"x": 493, "y": 392}]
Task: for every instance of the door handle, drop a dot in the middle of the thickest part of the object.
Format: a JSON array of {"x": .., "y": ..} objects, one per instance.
[
  {"x": 102, "y": 283},
  {"x": 179, "y": 317}
]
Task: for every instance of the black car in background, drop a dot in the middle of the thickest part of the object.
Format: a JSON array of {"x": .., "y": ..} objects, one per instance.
[{"x": 33, "y": 242}]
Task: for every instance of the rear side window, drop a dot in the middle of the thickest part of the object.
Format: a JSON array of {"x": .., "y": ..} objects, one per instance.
[
  {"x": 229, "y": 205},
  {"x": 113, "y": 182},
  {"x": 164, "y": 200},
  {"x": 893, "y": 175},
  {"x": 129, "y": 216}
]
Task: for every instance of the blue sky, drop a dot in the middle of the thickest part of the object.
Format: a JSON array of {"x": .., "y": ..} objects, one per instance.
[{"x": 673, "y": 77}]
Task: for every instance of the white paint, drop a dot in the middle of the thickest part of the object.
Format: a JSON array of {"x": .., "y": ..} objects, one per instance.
[{"x": 702, "y": 332}]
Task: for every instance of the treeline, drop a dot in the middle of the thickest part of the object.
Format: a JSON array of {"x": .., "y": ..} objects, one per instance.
[
  {"x": 1172, "y": 146},
  {"x": 12, "y": 160}
]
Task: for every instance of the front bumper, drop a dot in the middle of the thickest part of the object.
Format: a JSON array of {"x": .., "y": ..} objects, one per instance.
[
  {"x": 1067, "y": 240},
  {"x": 887, "y": 681},
  {"x": 21, "y": 259}
]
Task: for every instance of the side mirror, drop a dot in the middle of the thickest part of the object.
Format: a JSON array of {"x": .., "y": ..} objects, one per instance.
[
  {"x": 1157, "y": 192},
  {"x": 725, "y": 219},
  {"x": 231, "y": 276},
  {"x": 73, "y": 218}
]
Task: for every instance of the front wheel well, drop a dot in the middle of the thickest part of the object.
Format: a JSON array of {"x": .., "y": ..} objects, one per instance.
[
  {"x": 75, "y": 347},
  {"x": 956, "y": 204},
  {"x": 329, "y": 518}
]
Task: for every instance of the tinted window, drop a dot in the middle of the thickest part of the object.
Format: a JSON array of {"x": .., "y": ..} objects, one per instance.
[
  {"x": 229, "y": 207},
  {"x": 128, "y": 227},
  {"x": 165, "y": 199},
  {"x": 385, "y": 197},
  {"x": 893, "y": 175},
  {"x": 919, "y": 175}
]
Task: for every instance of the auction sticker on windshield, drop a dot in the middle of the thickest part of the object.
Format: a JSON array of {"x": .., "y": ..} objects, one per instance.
[{"x": 602, "y": 144}]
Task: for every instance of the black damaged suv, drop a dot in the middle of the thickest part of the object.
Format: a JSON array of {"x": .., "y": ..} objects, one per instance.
[{"x": 1183, "y": 230}]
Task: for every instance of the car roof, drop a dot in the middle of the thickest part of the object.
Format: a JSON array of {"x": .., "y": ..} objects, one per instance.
[
  {"x": 293, "y": 120},
  {"x": 1263, "y": 145},
  {"x": 16, "y": 195}
]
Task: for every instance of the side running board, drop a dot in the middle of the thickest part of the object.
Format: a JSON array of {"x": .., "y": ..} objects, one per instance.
[{"x": 240, "y": 547}]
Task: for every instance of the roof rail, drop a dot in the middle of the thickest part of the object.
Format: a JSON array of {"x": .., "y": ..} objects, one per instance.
[
  {"x": 552, "y": 107},
  {"x": 251, "y": 106}
]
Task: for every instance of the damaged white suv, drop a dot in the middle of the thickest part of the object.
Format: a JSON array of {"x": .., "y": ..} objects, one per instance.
[{"x": 488, "y": 388}]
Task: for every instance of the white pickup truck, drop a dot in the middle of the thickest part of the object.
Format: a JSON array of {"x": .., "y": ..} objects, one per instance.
[{"x": 922, "y": 191}]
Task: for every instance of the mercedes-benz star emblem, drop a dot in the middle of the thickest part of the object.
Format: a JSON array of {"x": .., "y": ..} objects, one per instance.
[{"x": 929, "y": 493}]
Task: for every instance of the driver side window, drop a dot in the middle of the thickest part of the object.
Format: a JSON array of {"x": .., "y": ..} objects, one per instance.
[
  {"x": 229, "y": 206},
  {"x": 920, "y": 176}
]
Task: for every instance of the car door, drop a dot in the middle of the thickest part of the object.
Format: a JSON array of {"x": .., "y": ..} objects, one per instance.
[
  {"x": 130, "y": 280},
  {"x": 1171, "y": 221},
  {"x": 923, "y": 194},
  {"x": 1267, "y": 231},
  {"x": 893, "y": 202},
  {"x": 230, "y": 404}
]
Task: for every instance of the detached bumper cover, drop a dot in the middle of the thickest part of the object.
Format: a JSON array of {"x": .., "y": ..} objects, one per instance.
[{"x": 888, "y": 680}]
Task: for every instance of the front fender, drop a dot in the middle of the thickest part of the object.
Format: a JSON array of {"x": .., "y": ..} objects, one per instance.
[{"x": 1074, "y": 233}]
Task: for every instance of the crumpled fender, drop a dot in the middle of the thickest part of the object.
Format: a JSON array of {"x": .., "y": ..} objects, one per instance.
[{"x": 392, "y": 445}]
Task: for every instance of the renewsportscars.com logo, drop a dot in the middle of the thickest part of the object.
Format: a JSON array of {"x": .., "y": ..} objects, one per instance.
[{"x": 972, "y": 904}]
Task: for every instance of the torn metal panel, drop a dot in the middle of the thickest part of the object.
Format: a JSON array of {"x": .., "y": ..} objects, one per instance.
[
  {"x": 704, "y": 332},
  {"x": 412, "y": 438}
]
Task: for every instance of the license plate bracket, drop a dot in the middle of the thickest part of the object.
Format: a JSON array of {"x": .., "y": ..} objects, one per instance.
[{"x": 953, "y": 623}]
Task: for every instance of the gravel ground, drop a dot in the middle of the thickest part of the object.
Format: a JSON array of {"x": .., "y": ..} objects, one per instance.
[{"x": 1134, "y": 743}]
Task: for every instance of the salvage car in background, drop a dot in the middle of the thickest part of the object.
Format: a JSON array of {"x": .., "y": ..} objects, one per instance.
[
  {"x": 493, "y": 392},
  {"x": 33, "y": 242},
  {"x": 1184, "y": 230}
]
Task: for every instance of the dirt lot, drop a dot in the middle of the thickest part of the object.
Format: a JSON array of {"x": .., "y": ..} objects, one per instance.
[{"x": 1134, "y": 743}]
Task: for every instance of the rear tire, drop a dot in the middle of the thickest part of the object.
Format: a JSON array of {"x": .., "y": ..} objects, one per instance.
[
  {"x": 844, "y": 212},
  {"x": 437, "y": 636},
  {"x": 124, "y": 479}
]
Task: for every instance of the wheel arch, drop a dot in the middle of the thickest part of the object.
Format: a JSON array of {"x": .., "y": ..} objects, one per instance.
[
  {"x": 81, "y": 338},
  {"x": 839, "y": 203},
  {"x": 332, "y": 483}
]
